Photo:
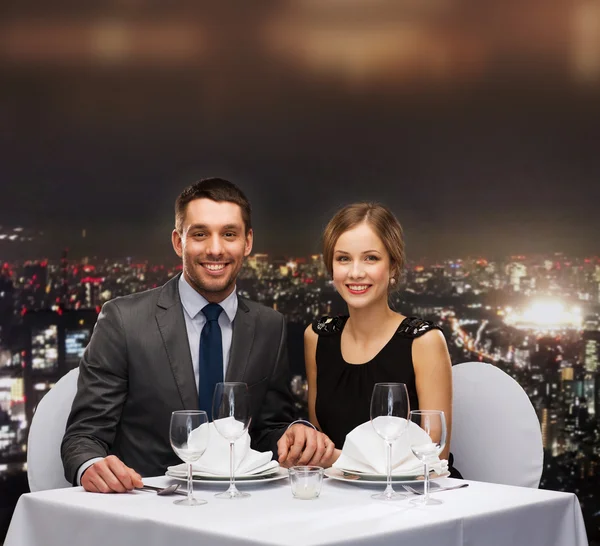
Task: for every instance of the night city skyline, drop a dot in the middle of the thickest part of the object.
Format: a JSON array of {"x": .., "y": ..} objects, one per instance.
[{"x": 535, "y": 317}]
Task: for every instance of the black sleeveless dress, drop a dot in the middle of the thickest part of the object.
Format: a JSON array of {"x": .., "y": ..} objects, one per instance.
[{"x": 344, "y": 390}]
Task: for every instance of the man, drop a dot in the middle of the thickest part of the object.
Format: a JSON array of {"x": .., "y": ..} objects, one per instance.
[{"x": 162, "y": 350}]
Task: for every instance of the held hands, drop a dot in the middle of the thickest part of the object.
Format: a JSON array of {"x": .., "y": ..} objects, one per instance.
[
  {"x": 110, "y": 475},
  {"x": 302, "y": 445}
]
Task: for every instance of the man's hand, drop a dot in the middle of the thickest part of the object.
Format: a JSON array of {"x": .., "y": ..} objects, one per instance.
[
  {"x": 110, "y": 475},
  {"x": 302, "y": 445}
]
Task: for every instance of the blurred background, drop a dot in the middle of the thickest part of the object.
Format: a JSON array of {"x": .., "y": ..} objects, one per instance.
[{"x": 477, "y": 122}]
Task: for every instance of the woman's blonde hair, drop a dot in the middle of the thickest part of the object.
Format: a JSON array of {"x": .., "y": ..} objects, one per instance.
[{"x": 382, "y": 221}]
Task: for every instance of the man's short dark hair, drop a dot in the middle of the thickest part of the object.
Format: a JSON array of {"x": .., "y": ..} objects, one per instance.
[{"x": 215, "y": 189}]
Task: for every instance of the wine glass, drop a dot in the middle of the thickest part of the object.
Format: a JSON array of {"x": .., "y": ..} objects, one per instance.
[
  {"x": 389, "y": 411},
  {"x": 189, "y": 439},
  {"x": 427, "y": 444},
  {"x": 231, "y": 417}
]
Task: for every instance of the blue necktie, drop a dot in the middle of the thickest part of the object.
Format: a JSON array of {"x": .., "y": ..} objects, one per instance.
[{"x": 211, "y": 357}]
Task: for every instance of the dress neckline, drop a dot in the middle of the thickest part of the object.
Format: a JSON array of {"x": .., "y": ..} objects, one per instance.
[{"x": 376, "y": 354}]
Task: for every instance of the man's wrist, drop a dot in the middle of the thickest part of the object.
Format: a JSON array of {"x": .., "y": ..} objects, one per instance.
[
  {"x": 302, "y": 422},
  {"x": 85, "y": 466}
]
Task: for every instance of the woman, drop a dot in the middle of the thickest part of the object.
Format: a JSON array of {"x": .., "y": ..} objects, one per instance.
[{"x": 363, "y": 250}]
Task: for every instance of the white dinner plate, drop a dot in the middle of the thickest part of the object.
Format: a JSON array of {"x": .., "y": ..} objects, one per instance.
[
  {"x": 270, "y": 476},
  {"x": 271, "y": 468},
  {"x": 375, "y": 479}
]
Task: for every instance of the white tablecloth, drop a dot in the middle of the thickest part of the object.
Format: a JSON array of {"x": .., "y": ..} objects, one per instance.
[{"x": 481, "y": 514}]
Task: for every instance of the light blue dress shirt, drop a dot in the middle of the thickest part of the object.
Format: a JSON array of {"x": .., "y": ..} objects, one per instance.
[{"x": 193, "y": 303}]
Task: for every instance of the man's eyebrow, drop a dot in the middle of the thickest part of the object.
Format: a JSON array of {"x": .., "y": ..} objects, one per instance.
[{"x": 204, "y": 226}]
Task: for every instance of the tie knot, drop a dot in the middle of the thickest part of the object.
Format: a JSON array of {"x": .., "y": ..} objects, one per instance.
[{"x": 212, "y": 311}]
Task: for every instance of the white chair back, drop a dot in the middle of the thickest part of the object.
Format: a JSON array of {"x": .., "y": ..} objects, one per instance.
[
  {"x": 44, "y": 464},
  {"x": 496, "y": 434}
]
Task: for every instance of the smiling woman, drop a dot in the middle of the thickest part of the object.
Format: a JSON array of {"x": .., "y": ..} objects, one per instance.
[
  {"x": 363, "y": 250},
  {"x": 362, "y": 266}
]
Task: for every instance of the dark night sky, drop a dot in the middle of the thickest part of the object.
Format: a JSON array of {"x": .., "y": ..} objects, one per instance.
[{"x": 504, "y": 162}]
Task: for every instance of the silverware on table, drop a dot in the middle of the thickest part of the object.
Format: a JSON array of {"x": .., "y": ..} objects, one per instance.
[
  {"x": 436, "y": 490},
  {"x": 163, "y": 491}
]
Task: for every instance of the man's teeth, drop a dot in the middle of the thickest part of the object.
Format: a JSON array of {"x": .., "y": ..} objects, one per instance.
[
  {"x": 358, "y": 287},
  {"x": 214, "y": 267}
]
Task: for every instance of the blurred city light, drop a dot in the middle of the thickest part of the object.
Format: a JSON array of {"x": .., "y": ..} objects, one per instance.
[{"x": 545, "y": 316}]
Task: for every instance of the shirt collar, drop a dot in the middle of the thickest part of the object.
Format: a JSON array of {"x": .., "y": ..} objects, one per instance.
[{"x": 193, "y": 302}]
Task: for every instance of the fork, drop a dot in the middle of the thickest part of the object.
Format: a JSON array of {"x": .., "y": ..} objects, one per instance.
[
  {"x": 450, "y": 488},
  {"x": 162, "y": 491}
]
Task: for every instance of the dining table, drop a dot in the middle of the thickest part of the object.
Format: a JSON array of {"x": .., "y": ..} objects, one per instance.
[{"x": 484, "y": 514}]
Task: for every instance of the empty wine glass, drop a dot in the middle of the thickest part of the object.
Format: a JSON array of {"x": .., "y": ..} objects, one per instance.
[
  {"x": 188, "y": 433},
  {"x": 389, "y": 412},
  {"x": 427, "y": 444},
  {"x": 231, "y": 417}
]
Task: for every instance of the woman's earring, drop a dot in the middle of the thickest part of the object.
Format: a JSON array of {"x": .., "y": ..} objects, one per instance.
[{"x": 392, "y": 281}]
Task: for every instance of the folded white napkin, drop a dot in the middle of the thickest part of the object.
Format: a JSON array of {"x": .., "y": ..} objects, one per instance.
[
  {"x": 365, "y": 451},
  {"x": 215, "y": 459}
]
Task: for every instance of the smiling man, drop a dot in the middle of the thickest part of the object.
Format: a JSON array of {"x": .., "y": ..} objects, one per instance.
[{"x": 164, "y": 350}]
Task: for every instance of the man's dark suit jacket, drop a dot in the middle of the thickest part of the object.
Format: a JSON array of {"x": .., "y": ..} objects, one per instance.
[{"x": 137, "y": 369}]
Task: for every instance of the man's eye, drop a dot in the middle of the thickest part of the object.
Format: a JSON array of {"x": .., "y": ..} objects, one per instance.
[
  {"x": 230, "y": 235},
  {"x": 199, "y": 234}
]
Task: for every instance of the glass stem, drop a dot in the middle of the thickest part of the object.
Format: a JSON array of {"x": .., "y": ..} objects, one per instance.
[
  {"x": 426, "y": 484},
  {"x": 389, "y": 490},
  {"x": 231, "y": 474},
  {"x": 190, "y": 483}
]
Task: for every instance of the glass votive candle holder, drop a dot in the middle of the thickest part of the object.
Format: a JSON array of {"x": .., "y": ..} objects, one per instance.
[{"x": 306, "y": 481}]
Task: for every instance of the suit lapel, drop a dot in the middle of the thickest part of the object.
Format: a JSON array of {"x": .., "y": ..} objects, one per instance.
[
  {"x": 171, "y": 324},
  {"x": 241, "y": 342}
]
